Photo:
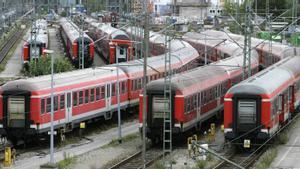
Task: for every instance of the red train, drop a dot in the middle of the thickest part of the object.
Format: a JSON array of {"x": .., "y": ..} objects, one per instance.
[
  {"x": 267, "y": 57},
  {"x": 196, "y": 95},
  {"x": 38, "y": 44},
  {"x": 110, "y": 42},
  {"x": 78, "y": 95},
  {"x": 72, "y": 39},
  {"x": 256, "y": 108},
  {"x": 156, "y": 40}
]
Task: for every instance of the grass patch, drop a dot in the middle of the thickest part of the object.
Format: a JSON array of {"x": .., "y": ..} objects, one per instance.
[
  {"x": 159, "y": 165},
  {"x": 282, "y": 138},
  {"x": 115, "y": 142},
  {"x": 266, "y": 159},
  {"x": 200, "y": 164},
  {"x": 67, "y": 163}
]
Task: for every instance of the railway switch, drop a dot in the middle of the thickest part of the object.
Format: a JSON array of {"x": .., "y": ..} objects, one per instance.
[{"x": 7, "y": 157}]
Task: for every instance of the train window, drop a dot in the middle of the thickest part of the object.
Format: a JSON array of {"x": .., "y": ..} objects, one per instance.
[
  {"x": 280, "y": 102},
  {"x": 124, "y": 87},
  {"x": 42, "y": 106},
  {"x": 55, "y": 103},
  {"x": 92, "y": 95},
  {"x": 195, "y": 101},
  {"x": 74, "y": 98},
  {"x": 132, "y": 85},
  {"x": 108, "y": 91},
  {"x": 113, "y": 89},
  {"x": 86, "y": 96},
  {"x": 199, "y": 99},
  {"x": 48, "y": 106},
  {"x": 80, "y": 97},
  {"x": 102, "y": 94},
  {"x": 202, "y": 98},
  {"x": 98, "y": 93},
  {"x": 62, "y": 101},
  {"x": 139, "y": 85},
  {"x": 191, "y": 103}
]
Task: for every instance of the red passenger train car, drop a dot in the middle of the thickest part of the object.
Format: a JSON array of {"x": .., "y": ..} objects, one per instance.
[
  {"x": 256, "y": 108},
  {"x": 39, "y": 44},
  {"x": 196, "y": 95},
  {"x": 79, "y": 95},
  {"x": 72, "y": 39},
  {"x": 110, "y": 42},
  {"x": 267, "y": 56}
]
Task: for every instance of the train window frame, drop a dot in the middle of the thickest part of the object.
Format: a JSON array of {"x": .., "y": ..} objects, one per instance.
[
  {"x": 55, "y": 102},
  {"x": 191, "y": 98},
  {"x": 124, "y": 87},
  {"x": 195, "y": 101},
  {"x": 48, "y": 104},
  {"x": 92, "y": 94},
  {"x": 199, "y": 99},
  {"x": 102, "y": 92},
  {"x": 98, "y": 93},
  {"x": 86, "y": 96},
  {"x": 42, "y": 106},
  {"x": 113, "y": 89},
  {"x": 62, "y": 101},
  {"x": 75, "y": 99},
  {"x": 280, "y": 102},
  {"x": 80, "y": 97}
]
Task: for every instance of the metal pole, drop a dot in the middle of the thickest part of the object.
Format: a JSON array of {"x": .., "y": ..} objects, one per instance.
[
  {"x": 205, "y": 50},
  {"x": 82, "y": 43},
  {"x": 52, "y": 116},
  {"x": 118, "y": 99},
  {"x": 146, "y": 48}
]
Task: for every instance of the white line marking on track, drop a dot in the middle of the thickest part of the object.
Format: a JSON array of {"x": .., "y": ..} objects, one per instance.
[{"x": 286, "y": 153}]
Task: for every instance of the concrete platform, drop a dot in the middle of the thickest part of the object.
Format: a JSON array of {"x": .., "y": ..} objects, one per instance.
[{"x": 288, "y": 155}]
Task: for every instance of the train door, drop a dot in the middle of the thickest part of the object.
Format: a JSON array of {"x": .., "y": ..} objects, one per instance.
[
  {"x": 68, "y": 106},
  {"x": 121, "y": 53},
  {"x": 16, "y": 111},
  {"x": 108, "y": 96}
]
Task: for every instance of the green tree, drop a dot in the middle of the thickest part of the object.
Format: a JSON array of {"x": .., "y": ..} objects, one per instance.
[{"x": 43, "y": 66}]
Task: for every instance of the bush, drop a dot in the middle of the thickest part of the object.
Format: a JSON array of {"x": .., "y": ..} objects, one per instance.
[{"x": 42, "y": 66}]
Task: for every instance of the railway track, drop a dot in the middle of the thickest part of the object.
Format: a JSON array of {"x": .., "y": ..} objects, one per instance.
[
  {"x": 135, "y": 161},
  {"x": 243, "y": 159},
  {"x": 9, "y": 44}
]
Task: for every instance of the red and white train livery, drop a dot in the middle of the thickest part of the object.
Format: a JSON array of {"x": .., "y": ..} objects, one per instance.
[
  {"x": 267, "y": 56},
  {"x": 79, "y": 95},
  {"x": 34, "y": 48},
  {"x": 257, "y": 107},
  {"x": 196, "y": 94},
  {"x": 110, "y": 42},
  {"x": 73, "y": 43}
]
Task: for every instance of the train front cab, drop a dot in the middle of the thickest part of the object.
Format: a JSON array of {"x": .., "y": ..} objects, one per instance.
[
  {"x": 155, "y": 115},
  {"x": 246, "y": 113},
  {"x": 121, "y": 49},
  {"x": 16, "y": 118},
  {"x": 88, "y": 51}
]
